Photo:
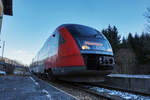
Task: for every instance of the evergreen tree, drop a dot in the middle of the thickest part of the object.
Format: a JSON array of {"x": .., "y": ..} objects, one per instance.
[
  {"x": 139, "y": 44},
  {"x": 130, "y": 41},
  {"x": 124, "y": 43},
  {"x": 113, "y": 37}
]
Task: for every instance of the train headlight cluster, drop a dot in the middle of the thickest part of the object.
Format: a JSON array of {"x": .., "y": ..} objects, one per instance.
[{"x": 85, "y": 47}]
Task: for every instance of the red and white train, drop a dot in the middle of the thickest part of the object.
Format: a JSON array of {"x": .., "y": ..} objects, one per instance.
[{"x": 74, "y": 51}]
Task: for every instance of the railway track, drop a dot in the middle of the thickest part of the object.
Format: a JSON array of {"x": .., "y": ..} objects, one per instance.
[
  {"x": 102, "y": 91},
  {"x": 107, "y": 92},
  {"x": 86, "y": 89},
  {"x": 120, "y": 89},
  {"x": 76, "y": 86},
  {"x": 112, "y": 92}
]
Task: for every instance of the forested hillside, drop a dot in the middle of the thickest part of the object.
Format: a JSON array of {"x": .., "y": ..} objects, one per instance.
[{"x": 132, "y": 54}]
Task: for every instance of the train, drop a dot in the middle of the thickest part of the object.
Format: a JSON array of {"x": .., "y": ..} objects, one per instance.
[{"x": 74, "y": 52}]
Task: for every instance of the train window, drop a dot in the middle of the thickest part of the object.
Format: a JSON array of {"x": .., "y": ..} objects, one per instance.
[{"x": 52, "y": 45}]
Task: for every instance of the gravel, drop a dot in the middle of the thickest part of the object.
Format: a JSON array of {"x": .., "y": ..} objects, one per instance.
[{"x": 80, "y": 94}]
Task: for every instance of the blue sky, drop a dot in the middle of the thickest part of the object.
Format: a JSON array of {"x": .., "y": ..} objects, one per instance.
[{"x": 34, "y": 20}]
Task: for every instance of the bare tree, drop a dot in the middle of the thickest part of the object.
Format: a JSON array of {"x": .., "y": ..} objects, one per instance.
[{"x": 125, "y": 61}]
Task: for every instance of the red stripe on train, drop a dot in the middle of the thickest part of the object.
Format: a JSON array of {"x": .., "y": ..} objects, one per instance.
[{"x": 68, "y": 53}]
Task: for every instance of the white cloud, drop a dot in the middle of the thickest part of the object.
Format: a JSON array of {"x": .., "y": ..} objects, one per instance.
[{"x": 21, "y": 56}]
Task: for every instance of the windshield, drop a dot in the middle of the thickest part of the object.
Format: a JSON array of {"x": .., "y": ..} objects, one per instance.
[{"x": 84, "y": 31}]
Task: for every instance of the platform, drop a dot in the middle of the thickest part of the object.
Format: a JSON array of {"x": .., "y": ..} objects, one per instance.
[
  {"x": 130, "y": 76},
  {"x": 139, "y": 83},
  {"x": 29, "y": 88}
]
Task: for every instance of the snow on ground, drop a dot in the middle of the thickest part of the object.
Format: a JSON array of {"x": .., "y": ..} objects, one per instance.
[
  {"x": 124, "y": 95},
  {"x": 129, "y": 76}
]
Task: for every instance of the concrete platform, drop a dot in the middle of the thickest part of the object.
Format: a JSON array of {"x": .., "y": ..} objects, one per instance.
[
  {"x": 130, "y": 76},
  {"x": 139, "y": 83},
  {"x": 29, "y": 88}
]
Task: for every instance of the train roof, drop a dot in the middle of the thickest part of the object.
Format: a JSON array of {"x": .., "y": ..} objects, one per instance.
[{"x": 65, "y": 25}]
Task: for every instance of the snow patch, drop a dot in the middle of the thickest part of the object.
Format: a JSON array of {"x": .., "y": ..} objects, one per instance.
[
  {"x": 47, "y": 94},
  {"x": 34, "y": 81},
  {"x": 123, "y": 95}
]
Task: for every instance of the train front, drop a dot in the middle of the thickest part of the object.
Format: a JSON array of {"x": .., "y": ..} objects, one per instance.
[{"x": 95, "y": 50}]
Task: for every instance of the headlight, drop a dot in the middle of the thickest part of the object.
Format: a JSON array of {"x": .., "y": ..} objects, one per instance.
[
  {"x": 109, "y": 50},
  {"x": 85, "y": 47}
]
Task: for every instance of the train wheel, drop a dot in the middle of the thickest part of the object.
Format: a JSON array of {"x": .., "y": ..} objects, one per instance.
[
  {"x": 43, "y": 76},
  {"x": 50, "y": 75}
]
